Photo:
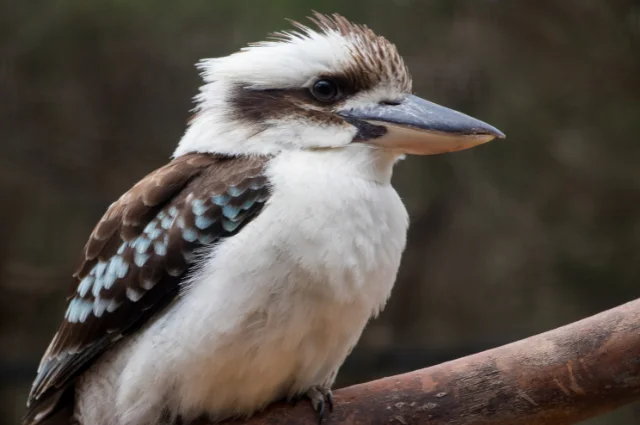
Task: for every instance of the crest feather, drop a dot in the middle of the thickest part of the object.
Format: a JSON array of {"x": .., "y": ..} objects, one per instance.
[{"x": 374, "y": 56}]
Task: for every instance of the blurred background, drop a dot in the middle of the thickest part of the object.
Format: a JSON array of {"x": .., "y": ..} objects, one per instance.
[{"x": 507, "y": 240}]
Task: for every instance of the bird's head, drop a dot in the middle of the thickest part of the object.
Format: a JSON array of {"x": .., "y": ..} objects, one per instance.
[{"x": 315, "y": 89}]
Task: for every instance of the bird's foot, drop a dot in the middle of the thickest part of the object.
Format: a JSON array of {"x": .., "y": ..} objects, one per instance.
[{"x": 320, "y": 398}]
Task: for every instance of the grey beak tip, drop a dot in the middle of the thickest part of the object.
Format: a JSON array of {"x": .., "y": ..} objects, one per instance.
[{"x": 497, "y": 133}]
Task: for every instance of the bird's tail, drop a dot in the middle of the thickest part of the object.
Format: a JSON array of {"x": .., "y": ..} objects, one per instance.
[{"x": 55, "y": 408}]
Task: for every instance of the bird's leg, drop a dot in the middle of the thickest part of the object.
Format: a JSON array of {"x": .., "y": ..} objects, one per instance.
[{"x": 321, "y": 398}]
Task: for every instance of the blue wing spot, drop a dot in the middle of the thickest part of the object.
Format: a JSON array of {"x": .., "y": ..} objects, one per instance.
[
  {"x": 173, "y": 212},
  {"x": 190, "y": 235},
  {"x": 78, "y": 310},
  {"x": 147, "y": 284},
  {"x": 230, "y": 212},
  {"x": 122, "y": 248},
  {"x": 152, "y": 231},
  {"x": 97, "y": 286},
  {"x": 166, "y": 222},
  {"x": 133, "y": 294},
  {"x": 117, "y": 267},
  {"x": 206, "y": 238},
  {"x": 140, "y": 258},
  {"x": 150, "y": 227},
  {"x": 111, "y": 267},
  {"x": 85, "y": 285},
  {"x": 229, "y": 225},
  {"x": 155, "y": 234},
  {"x": 220, "y": 200},
  {"x": 204, "y": 222},
  {"x": 99, "y": 269},
  {"x": 234, "y": 191},
  {"x": 199, "y": 207},
  {"x": 160, "y": 248},
  {"x": 113, "y": 306},
  {"x": 121, "y": 267},
  {"x": 141, "y": 244},
  {"x": 100, "y": 306},
  {"x": 107, "y": 282},
  {"x": 248, "y": 204}
]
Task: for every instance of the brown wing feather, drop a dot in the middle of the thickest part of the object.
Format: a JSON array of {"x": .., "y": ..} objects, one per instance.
[{"x": 139, "y": 253}]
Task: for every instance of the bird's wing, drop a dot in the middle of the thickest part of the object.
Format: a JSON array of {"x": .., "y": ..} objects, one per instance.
[{"x": 138, "y": 254}]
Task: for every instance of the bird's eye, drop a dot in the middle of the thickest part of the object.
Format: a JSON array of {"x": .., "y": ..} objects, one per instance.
[{"x": 325, "y": 90}]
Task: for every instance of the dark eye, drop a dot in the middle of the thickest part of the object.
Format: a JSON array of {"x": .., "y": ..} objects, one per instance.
[{"x": 325, "y": 90}]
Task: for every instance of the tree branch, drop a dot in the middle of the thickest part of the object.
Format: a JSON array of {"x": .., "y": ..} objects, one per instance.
[{"x": 559, "y": 377}]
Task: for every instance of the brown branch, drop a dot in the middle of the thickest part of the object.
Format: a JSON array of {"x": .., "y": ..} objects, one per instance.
[{"x": 559, "y": 377}]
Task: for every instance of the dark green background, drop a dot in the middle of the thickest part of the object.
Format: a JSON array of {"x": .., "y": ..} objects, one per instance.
[{"x": 507, "y": 240}]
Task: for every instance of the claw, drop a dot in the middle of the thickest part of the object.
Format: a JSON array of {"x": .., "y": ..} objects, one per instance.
[
  {"x": 320, "y": 397},
  {"x": 320, "y": 411},
  {"x": 329, "y": 396}
]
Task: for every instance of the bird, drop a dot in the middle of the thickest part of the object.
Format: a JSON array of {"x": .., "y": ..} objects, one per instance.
[{"x": 244, "y": 270}]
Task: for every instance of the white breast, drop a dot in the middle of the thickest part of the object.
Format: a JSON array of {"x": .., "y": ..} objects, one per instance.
[{"x": 276, "y": 308}]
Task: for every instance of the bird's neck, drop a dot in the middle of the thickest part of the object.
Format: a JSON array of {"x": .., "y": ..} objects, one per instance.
[
  {"x": 211, "y": 132},
  {"x": 355, "y": 161}
]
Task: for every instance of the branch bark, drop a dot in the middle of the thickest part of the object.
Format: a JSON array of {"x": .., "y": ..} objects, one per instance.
[{"x": 556, "y": 378}]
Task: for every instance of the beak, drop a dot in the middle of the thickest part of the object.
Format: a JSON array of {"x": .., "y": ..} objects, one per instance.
[{"x": 416, "y": 126}]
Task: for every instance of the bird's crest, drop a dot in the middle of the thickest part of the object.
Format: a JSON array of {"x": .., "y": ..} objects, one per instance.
[{"x": 375, "y": 58}]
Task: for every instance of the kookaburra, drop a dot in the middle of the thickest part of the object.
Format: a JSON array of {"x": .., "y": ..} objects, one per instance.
[{"x": 245, "y": 270}]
